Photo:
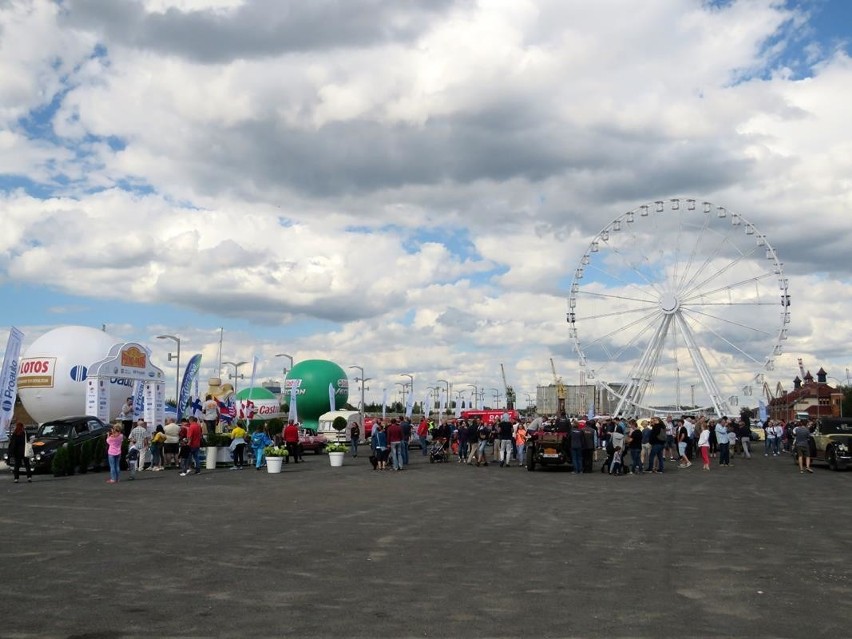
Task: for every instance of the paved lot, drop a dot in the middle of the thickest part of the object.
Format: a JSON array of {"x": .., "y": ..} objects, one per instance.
[{"x": 439, "y": 550}]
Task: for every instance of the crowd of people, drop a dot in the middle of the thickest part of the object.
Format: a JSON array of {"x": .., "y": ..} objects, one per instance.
[{"x": 621, "y": 446}]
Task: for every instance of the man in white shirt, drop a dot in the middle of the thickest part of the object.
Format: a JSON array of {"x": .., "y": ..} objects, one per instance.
[{"x": 142, "y": 438}]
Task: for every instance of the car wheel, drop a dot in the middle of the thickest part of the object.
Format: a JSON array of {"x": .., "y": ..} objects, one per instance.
[{"x": 832, "y": 459}]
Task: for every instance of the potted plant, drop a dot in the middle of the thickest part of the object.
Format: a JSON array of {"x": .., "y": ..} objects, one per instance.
[
  {"x": 274, "y": 458},
  {"x": 336, "y": 452},
  {"x": 213, "y": 441}
]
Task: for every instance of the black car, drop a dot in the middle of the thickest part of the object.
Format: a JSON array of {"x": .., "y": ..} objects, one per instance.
[{"x": 73, "y": 431}]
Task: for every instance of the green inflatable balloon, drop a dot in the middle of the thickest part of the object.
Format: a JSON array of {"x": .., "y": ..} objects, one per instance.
[{"x": 311, "y": 378}]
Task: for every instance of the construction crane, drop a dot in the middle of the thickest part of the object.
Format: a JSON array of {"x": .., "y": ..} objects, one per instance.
[
  {"x": 510, "y": 392},
  {"x": 560, "y": 389}
]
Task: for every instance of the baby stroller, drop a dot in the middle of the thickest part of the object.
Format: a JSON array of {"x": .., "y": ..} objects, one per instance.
[{"x": 438, "y": 451}]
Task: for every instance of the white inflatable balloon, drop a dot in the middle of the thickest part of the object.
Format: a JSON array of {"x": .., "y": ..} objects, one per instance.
[{"x": 52, "y": 375}]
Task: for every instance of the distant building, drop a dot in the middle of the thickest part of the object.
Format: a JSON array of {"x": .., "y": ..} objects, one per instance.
[
  {"x": 578, "y": 398},
  {"x": 816, "y": 398}
]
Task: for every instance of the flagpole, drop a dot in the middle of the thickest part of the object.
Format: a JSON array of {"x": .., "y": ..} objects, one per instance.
[{"x": 221, "y": 336}]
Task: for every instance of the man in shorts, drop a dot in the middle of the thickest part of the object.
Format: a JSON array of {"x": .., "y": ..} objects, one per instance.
[{"x": 801, "y": 447}]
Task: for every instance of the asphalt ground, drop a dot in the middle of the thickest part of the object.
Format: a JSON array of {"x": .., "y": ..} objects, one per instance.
[{"x": 438, "y": 550}]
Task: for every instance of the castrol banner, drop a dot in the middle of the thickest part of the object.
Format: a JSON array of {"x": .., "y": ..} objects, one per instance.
[{"x": 9, "y": 381}]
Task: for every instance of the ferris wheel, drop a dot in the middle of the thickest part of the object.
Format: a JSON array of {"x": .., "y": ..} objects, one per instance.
[{"x": 677, "y": 306}]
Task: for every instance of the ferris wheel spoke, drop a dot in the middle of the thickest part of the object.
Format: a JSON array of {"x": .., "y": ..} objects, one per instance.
[
  {"x": 721, "y": 271},
  {"x": 616, "y": 297},
  {"x": 615, "y": 313},
  {"x": 726, "y": 340},
  {"x": 727, "y": 287},
  {"x": 641, "y": 373},
  {"x": 621, "y": 329},
  {"x": 698, "y": 242},
  {"x": 727, "y": 321},
  {"x": 634, "y": 268},
  {"x": 701, "y": 367}
]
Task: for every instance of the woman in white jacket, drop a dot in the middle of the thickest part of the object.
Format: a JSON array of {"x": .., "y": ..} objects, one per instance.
[{"x": 704, "y": 445}]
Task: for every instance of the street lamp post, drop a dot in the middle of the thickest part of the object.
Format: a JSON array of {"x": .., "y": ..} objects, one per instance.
[
  {"x": 404, "y": 389},
  {"x": 172, "y": 356},
  {"x": 496, "y": 394},
  {"x": 236, "y": 374},
  {"x": 290, "y": 359},
  {"x": 475, "y": 395},
  {"x": 529, "y": 402},
  {"x": 449, "y": 397},
  {"x": 363, "y": 381},
  {"x": 410, "y": 382}
]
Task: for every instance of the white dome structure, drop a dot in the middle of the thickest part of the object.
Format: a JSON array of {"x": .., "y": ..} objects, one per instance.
[{"x": 53, "y": 371}]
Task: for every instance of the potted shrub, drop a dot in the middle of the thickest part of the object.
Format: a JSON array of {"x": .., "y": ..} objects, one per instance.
[
  {"x": 86, "y": 454},
  {"x": 274, "y": 458},
  {"x": 336, "y": 453},
  {"x": 213, "y": 441},
  {"x": 60, "y": 462}
]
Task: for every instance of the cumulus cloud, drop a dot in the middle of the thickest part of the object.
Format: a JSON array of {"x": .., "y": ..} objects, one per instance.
[{"x": 412, "y": 184}]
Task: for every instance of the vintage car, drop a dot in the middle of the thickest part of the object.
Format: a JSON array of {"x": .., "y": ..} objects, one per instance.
[
  {"x": 310, "y": 441},
  {"x": 71, "y": 431},
  {"x": 548, "y": 447},
  {"x": 831, "y": 442}
]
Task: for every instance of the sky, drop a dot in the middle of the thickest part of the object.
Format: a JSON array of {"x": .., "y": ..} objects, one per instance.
[{"x": 403, "y": 186}]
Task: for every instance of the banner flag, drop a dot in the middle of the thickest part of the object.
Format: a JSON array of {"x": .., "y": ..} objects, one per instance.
[
  {"x": 761, "y": 407},
  {"x": 591, "y": 413},
  {"x": 138, "y": 400},
  {"x": 384, "y": 402},
  {"x": 293, "y": 416},
  {"x": 190, "y": 375},
  {"x": 409, "y": 405},
  {"x": 9, "y": 381},
  {"x": 331, "y": 403}
]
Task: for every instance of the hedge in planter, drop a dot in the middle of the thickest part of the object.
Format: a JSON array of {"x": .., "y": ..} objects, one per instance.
[{"x": 61, "y": 461}]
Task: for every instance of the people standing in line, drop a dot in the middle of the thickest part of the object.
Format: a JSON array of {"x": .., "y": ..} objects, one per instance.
[
  {"x": 290, "y": 435},
  {"x": 423, "y": 435},
  {"x": 704, "y": 446},
  {"x": 690, "y": 437},
  {"x": 125, "y": 416},
  {"x": 723, "y": 442},
  {"x": 193, "y": 437},
  {"x": 520, "y": 442},
  {"x": 172, "y": 443},
  {"x": 394, "y": 440},
  {"x": 114, "y": 441},
  {"x": 801, "y": 447},
  {"x": 18, "y": 452},
  {"x": 142, "y": 438},
  {"x": 504, "y": 435},
  {"x": 590, "y": 435},
  {"x": 472, "y": 440},
  {"x": 778, "y": 430},
  {"x": 210, "y": 413},
  {"x": 134, "y": 458},
  {"x": 732, "y": 437},
  {"x": 238, "y": 446},
  {"x": 714, "y": 441},
  {"x": 615, "y": 465},
  {"x": 354, "y": 436},
  {"x": 158, "y": 441}
]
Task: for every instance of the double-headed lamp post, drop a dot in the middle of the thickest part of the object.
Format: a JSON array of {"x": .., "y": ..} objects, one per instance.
[
  {"x": 447, "y": 384},
  {"x": 363, "y": 381},
  {"x": 410, "y": 383},
  {"x": 496, "y": 394},
  {"x": 236, "y": 374},
  {"x": 475, "y": 395},
  {"x": 172, "y": 356}
]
